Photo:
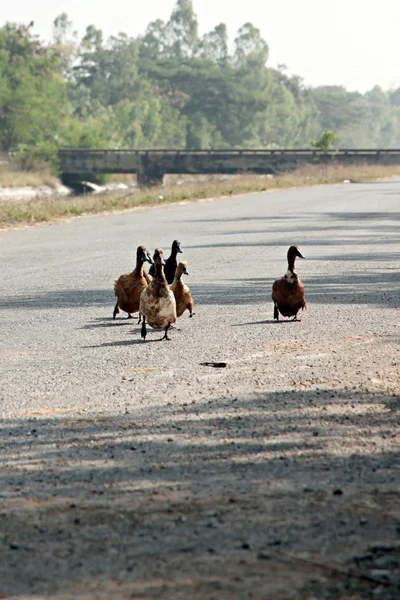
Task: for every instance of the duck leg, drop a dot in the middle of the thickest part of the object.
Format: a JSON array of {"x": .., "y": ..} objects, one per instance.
[
  {"x": 165, "y": 337},
  {"x": 143, "y": 331},
  {"x": 140, "y": 319},
  {"x": 276, "y": 312},
  {"x": 116, "y": 310}
]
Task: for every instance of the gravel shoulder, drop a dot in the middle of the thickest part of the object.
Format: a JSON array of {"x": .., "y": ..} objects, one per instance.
[{"x": 131, "y": 470}]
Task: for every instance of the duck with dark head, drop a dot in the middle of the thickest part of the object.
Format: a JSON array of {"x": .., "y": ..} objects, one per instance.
[
  {"x": 288, "y": 291},
  {"x": 128, "y": 287},
  {"x": 170, "y": 263},
  {"x": 157, "y": 302}
]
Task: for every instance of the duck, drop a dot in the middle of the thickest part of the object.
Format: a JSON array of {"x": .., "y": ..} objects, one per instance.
[
  {"x": 170, "y": 263},
  {"x": 288, "y": 291},
  {"x": 182, "y": 294},
  {"x": 129, "y": 286},
  {"x": 157, "y": 301}
]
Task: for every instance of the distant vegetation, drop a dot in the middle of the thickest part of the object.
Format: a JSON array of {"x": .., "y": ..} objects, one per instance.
[{"x": 170, "y": 88}]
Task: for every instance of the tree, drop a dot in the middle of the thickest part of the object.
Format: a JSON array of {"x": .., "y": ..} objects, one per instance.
[
  {"x": 182, "y": 30},
  {"x": 65, "y": 43},
  {"x": 250, "y": 48},
  {"x": 214, "y": 45},
  {"x": 153, "y": 44},
  {"x": 32, "y": 89},
  {"x": 325, "y": 142}
]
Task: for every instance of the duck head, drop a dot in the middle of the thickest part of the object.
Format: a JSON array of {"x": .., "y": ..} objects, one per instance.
[
  {"x": 181, "y": 269},
  {"x": 176, "y": 247},
  {"x": 143, "y": 255},
  {"x": 158, "y": 257},
  {"x": 292, "y": 254}
]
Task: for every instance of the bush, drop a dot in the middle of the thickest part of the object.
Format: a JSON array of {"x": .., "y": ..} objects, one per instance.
[{"x": 325, "y": 142}]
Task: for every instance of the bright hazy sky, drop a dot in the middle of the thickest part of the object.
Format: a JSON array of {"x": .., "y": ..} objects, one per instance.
[{"x": 355, "y": 43}]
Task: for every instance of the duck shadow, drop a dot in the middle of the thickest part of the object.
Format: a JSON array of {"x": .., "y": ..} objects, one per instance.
[
  {"x": 266, "y": 322},
  {"x": 125, "y": 343},
  {"x": 104, "y": 322}
]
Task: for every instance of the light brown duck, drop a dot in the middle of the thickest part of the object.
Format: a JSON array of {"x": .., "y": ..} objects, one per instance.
[
  {"x": 182, "y": 294},
  {"x": 157, "y": 302},
  {"x": 128, "y": 287}
]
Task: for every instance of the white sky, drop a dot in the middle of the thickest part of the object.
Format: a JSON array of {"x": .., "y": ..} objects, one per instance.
[{"x": 355, "y": 43}]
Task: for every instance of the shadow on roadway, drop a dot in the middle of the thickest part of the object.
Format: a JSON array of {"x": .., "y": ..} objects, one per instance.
[
  {"x": 205, "y": 499},
  {"x": 361, "y": 287}
]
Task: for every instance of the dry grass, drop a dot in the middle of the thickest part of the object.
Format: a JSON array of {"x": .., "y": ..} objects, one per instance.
[
  {"x": 12, "y": 177},
  {"x": 41, "y": 210}
]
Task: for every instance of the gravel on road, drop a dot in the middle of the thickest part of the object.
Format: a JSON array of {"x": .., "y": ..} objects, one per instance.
[{"x": 133, "y": 469}]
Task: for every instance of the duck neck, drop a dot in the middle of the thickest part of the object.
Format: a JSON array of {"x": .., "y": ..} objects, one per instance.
[
  {"x": 291, "y": 263},
  {"x": 291, "y": 260},
  {"x": 178, "y": 277},
  {"x": 159, "y": 272},
  {"x": 139, "y": 266}
]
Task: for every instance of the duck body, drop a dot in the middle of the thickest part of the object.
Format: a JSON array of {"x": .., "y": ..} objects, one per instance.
[
  {"x": 129, "y": 286},
  {"x": 170, "y": 263},
  {"x": 288, "y": 291},
  {"x": 157, "y": 302},
  {"x": 183, "y": 297}
]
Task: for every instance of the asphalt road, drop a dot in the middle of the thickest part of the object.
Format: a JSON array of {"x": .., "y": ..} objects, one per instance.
[{"x": 128, "y": 467}]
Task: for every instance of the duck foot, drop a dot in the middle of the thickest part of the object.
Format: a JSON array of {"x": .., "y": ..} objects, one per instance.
[
  {"x": 165, "y": 336},
  {"x": 191, "y": 315},
  {"x": 129, "y": 316},
  {"x": 143, "y": 331},
  {"x": 116, "y": 310},
  {"x": 295, "y": 319},
  {"x": 276, "y": 312}
]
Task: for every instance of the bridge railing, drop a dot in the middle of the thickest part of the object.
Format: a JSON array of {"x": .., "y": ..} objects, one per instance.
[
  {"x": 151, "y": 165},
  {"x": 238, "y": 151}
]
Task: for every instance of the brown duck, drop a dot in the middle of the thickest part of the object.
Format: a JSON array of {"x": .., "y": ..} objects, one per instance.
[
  {"x": 288, "y": 291},
  {"x": 128, "y": 287},
  {"x": 157, "y": 302},
  {"x": 170, "y": 263},
  {"x": 182, "y": 294}
]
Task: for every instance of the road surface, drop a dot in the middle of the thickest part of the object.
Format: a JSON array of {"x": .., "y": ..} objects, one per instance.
[{"x": 131, "y": 470}]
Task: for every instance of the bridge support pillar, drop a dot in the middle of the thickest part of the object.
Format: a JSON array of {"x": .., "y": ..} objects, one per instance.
[{"x": 149, "y": 174}]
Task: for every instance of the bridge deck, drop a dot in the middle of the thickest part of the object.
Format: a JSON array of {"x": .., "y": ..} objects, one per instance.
[{"x": 151, "y": 165}]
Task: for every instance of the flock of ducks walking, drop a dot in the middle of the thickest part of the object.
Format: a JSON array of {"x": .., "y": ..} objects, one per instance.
[{"x": 160, "y": 296}]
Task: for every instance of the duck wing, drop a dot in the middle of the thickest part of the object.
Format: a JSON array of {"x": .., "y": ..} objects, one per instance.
[{"x": 169, "y": 269}]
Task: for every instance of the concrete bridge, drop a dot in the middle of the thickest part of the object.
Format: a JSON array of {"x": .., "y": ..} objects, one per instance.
[{"x": 150, "y": 166}]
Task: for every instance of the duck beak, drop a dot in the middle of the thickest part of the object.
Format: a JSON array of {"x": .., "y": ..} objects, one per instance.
[
  {"x": 185, "y": 271},
  {"x": 149, "y": 259},
  {"x": 299, "y": 254},
  {"x": 179, "y": 249},
  {"x": 161, "y": 260}
]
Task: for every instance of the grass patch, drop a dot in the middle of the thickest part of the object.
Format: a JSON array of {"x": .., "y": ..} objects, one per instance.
[
  {"x": 11, "y": 176},
  {"x": 40, "y": 210}
]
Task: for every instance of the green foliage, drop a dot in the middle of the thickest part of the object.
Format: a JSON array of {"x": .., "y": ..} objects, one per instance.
[
  {"x": 325, "y": 142},
  {"x": 171, "y": 88},
  {"x": 32, "y": 91}
]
